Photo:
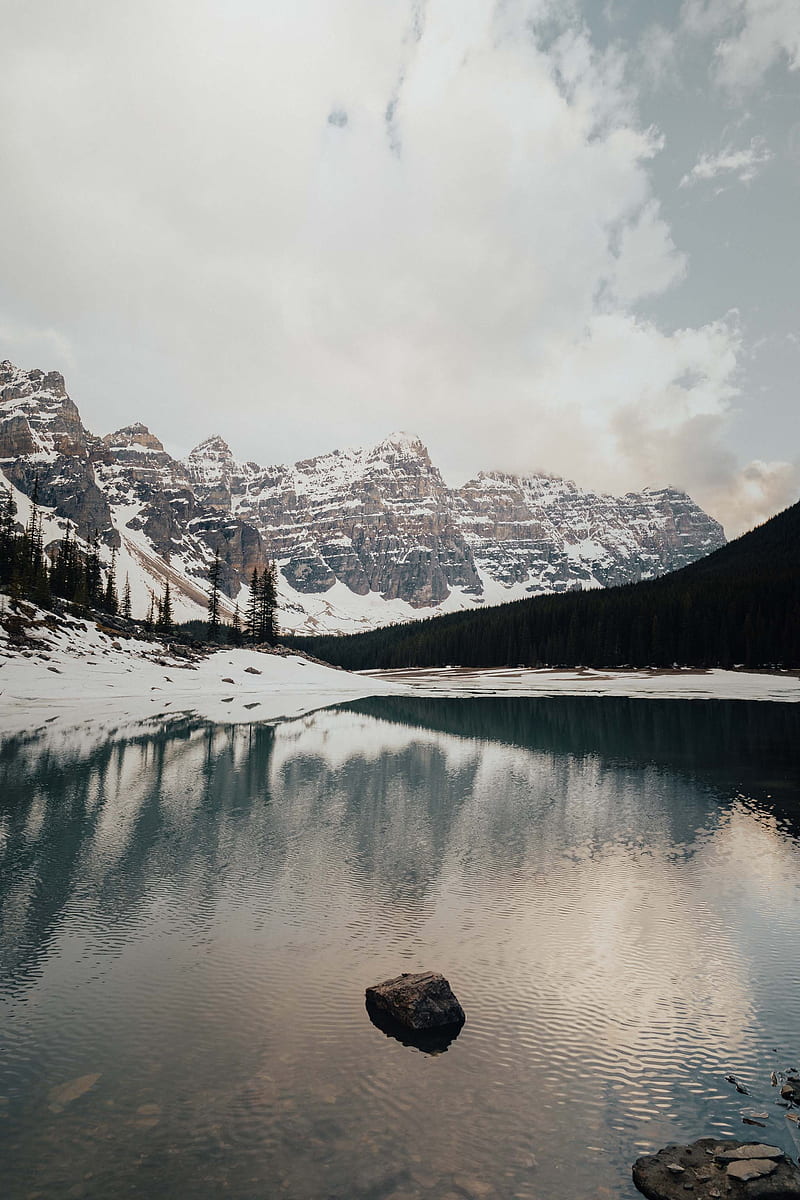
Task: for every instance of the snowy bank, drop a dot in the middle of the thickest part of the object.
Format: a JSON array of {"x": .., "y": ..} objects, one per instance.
[
  {"x": 73, "y": 670},
  {"x": 676, "y": 684}
]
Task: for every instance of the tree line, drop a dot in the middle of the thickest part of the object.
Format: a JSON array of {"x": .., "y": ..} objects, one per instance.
[
  {"x": 260, "y": 624},
  {"x": 740, "y": 606},
  {"x": 71, "y": 570}
]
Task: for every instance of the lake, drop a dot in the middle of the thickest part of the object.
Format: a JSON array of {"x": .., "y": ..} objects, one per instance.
[{"x": 191, "y": 914}]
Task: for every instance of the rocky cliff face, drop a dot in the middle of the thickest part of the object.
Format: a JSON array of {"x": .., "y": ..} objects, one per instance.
[
  {"x": 44, "y": 447},
  {"x": 381, "y": 520},
  {"x": 548, "y": 535},
  {"x": 124, "y": 486},
  {"x": 361, "y": 536},
  {"x": 378, "y": 520}
]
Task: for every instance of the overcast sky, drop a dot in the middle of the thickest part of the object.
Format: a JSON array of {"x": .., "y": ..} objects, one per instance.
[{"x": 540, "y": 235}]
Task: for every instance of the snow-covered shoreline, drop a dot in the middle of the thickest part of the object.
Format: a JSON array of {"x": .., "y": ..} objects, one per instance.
[
  {"x": 684, "y": 684},
  {"x": 76, "y": 672}
]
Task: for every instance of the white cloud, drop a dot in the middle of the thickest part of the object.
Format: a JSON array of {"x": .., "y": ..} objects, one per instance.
[
  {"x": 743, "y": 164},
  {"x": 755, "y": 492},
  {"x": 657, "y": 56},
  {"x": 752, "y": 36},
  {"x": 460, "y": 251}
]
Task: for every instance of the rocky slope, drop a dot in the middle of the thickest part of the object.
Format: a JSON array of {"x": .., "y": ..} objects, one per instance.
[
  {"x": 362, "y": 536},
  {"x": 124, "y": 487},
  {"x": 381, "y": 521}
]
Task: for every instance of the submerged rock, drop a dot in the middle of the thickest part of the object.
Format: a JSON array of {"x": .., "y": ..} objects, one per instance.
[
  {"x": 711, "y": 1168},
  {"x": 419, "y": 1002},
  {"x": 65, "y": 1093}
]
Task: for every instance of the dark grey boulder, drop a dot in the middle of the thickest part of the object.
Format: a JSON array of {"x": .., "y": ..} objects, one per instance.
[
  {"x": 711, "y": 1168},
  {"x": 419, "y": 1002}
]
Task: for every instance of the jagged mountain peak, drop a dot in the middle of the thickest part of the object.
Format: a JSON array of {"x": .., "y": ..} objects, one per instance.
[
  {"x": 136, "y": 438},
  {"x": 37, "y": 416},
  {"x": 33, "y": 376},
  {"x": 214, "y": 445},
  {"x": 400, "y": 447},
  {"x": 401, "y": 440},
  {"x": 210, "y": 468},
  {"x": 362, "y": 535}
]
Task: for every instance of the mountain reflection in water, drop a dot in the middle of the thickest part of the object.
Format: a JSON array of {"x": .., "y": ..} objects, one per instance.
[{"x": 191, "y": 913}]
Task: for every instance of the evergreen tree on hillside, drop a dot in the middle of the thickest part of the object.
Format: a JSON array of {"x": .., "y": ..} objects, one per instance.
[
  {"x": 267, "y": 606},
  {"x": 94, "y": 576},
  {"x": 34, "y": 579},
  {"x": 213, "y": 599},
  {"x": 8, "y": 535},
  {"x": 251, "y": 620},
  {"x": 66, "y": 567},
  {"x": 235, "y": 632},
  {"x": 110, "y": 598},
  {"x": 126, "y": 600},
  {"x": 149, "y": 620},
  {"x": 165, "y": 617}
]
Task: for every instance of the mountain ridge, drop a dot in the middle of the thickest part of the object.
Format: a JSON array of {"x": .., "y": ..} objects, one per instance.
[
  {"x": 361, "y": 535},
  {"x": 737, "y": 607}
]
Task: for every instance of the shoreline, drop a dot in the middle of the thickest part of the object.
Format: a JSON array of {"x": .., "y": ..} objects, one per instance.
[
  {"x": 77, "y": 672},
  {"x": 690, "y": 683}
]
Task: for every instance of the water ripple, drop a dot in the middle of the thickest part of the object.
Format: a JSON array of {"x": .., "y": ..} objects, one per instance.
[{"x": 190, "y": 919}]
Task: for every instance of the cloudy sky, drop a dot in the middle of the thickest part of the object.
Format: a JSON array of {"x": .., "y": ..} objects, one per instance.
[{"x": 541, "y": 235}]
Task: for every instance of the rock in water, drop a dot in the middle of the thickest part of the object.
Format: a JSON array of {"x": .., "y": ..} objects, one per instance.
[
  {"x": 712, "y": 1168},
  {"x": 419, "y": 1002},
  {"x": 65, "y": 1093}
]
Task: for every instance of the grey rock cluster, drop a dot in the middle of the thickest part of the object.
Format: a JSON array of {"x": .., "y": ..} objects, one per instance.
[{"x": 709, "y": 1170}]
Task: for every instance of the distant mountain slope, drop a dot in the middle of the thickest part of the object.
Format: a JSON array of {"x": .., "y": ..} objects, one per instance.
[
  {"x": 379, "y": 523},
  {"x": 738, "y": 606},
  {"x": 126, "y": 489},
  {"x": 362, "y": 537}
]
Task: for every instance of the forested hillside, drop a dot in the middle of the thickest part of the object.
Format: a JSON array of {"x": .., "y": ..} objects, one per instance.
[{"x": 738, "y": 606}]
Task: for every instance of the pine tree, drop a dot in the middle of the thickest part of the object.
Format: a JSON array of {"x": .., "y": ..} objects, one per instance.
[
  {"x": 165, "y": 618},
  {"x": 149, "y": 620},
  {"x": 235, "y": 634},
  {"x": 252, "y": 607},
  {"x": 81, "y": 594},
  {"x": 213, "y": 599},
  {"x": 126, "y": 600},
  {"x": 67, "y": 567},
  {"x": 268, "y": 600},
  {"x": 110, "y": 599},
  {"x": 8, "y": 535},
  {"x": 35, "y": 575},
  {"x": 94, "y": 578}
]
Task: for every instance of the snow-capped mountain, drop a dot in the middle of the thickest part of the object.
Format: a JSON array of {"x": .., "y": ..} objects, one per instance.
[
  {"x": 124, "y": 487},
  {"x": 361, "y": 536},
  {"x": 379, "y": 522}
]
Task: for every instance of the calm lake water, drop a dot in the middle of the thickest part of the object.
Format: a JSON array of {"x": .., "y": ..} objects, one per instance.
[{"x": 190, "y": 916}]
